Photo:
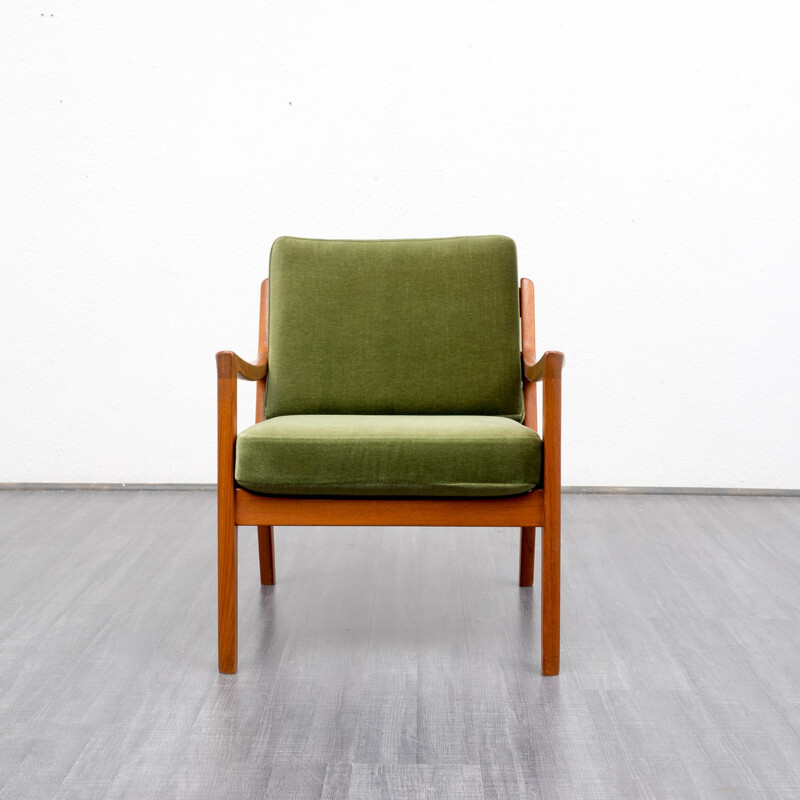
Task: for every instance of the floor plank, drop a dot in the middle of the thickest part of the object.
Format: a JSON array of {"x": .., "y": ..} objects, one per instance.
[{"x": 399, "y": 663}]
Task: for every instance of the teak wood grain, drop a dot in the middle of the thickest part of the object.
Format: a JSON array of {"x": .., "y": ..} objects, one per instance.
[{"x": 538, "y": 508}]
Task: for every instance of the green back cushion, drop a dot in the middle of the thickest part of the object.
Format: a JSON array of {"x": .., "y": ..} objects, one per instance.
[{"x": 407, "y": 326}]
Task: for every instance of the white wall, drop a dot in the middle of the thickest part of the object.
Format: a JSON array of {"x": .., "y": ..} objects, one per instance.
[{"x": 644, "y": 156}]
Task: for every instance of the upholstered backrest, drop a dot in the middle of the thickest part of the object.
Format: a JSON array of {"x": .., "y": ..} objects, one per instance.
[{"x": 405, "y": 326}]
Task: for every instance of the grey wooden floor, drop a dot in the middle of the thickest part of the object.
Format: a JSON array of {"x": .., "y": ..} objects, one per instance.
[{"x": 399, "y": 663}]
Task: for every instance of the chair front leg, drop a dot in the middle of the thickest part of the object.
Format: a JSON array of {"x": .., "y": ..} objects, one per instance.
[
  {"x": 551, "y": 531},
  {"x": 228, "y": 587},
  {"x": 227, "y": 532},
  {"x": 551, "y": 587}
]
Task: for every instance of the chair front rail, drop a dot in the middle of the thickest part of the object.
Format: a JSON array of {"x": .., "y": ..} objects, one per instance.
[{"x": 526, "y": 509}]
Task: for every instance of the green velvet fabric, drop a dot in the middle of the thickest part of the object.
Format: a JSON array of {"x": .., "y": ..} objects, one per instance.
[
  {"x": 389, "y": 455},
  {"x": 406, "y": 326}
]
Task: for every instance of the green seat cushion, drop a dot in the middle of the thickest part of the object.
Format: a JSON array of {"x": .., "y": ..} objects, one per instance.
[
  {"x": 406, "y": 326},
  {"x": 388, "y": 455}
]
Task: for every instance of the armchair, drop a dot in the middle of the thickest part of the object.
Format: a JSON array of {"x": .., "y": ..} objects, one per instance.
[{"x": 392, "y": 393}]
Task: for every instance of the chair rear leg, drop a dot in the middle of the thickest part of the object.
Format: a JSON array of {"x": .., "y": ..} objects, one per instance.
[
  {"x": 266, "y": 555},
  {"x": 551, "y": 594},
  {"x": 527, "y": 545},
  {"x": 227, "y": 563}
]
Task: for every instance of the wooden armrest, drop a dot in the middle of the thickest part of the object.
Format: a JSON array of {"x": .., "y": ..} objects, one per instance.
[
  {"x": 547, "y": 367},
  {"x": 229, "y": 365}
]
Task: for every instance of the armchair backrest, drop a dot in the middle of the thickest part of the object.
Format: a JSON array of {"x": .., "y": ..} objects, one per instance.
[{"x": 405, "y": 326}]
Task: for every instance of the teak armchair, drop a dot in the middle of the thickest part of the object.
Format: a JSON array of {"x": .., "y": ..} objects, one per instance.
[{"x": 393, "y": 395}]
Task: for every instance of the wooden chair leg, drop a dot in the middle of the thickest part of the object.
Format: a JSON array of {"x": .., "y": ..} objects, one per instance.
[
  {"x": 551, "y": 595},
  {"x": 228, "y": 597},
  {"x": 266, "y": 555},
  {"x": 527, "y": 545}
]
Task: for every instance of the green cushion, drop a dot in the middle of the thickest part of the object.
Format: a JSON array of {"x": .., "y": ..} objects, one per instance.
[
  {"x": 397, "y": 455},
  {"x": 407, "y": 326}
]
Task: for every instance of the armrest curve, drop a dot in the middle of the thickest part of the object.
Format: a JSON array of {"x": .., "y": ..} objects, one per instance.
[
  {"x": 549, "y": 366},
  {"x": 229, "y": 365}
]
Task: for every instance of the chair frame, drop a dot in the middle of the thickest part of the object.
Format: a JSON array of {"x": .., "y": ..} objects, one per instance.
[{"x": 540, "y": 507}]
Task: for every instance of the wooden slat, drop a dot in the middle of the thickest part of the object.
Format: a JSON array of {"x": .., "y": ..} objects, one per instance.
[
  {"x": 253, "y": 509},
  {"x": 263, "y": 339},
  {"x": 526, "y": 304}
]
